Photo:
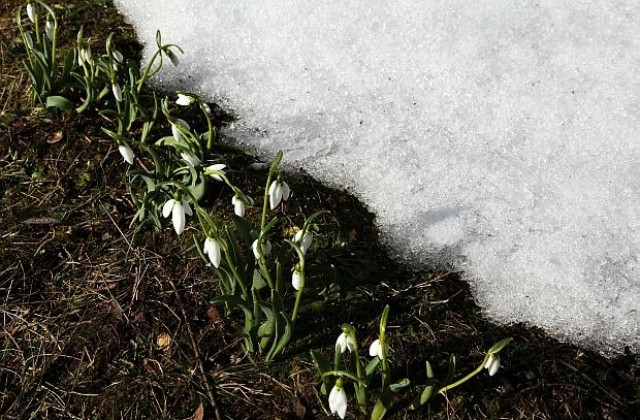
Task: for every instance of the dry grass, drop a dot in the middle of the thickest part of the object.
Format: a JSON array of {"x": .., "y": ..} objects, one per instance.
[{"x": 100, "y": 321}]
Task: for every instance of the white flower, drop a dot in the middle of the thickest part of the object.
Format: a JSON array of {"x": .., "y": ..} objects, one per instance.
[
  {"x": 177, "y": 209},
  {"x": 84, "y": 55},
  {"x": 31, "y": 12},
  {"x": 28, "y": 40},
  {"x": 296, "y": 279},
  {"x": 175, "y": 131},
  {"x": 304, "y": 242},
  {"x": 117, "y": 55},
  {"x": 212, "y": 249},
  {"x": 240, "y": 204},
  {"x": 206, "y": 107},
  {"x": 375, "y": 349},
  {"x": 126, "y": 153},
  {"x": 189, "y": 158},
  {"x": 48, "y": 29},
  {"x": 278, "y": 191},
  {"x": 214, "y": 171},
  {"x": 184, "y": 100},
  {"x": 493, "y": 363},
  {"x": 172, "y": 57},
  {"x": 346, "y": 342},
  {"x": 338, "y": 400},
  {"x": 117, "y": 92},
  {"x": 266, "y": 248}
]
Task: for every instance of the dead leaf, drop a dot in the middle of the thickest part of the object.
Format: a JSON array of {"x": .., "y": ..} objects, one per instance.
[
  {"x": 199, "y": 414},
  {"x": 163, "y": 341},
  {"x": 55, "y": 138}
]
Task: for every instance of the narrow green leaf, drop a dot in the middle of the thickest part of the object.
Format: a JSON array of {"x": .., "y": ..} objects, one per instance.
[{"x": 371, "y": 366}]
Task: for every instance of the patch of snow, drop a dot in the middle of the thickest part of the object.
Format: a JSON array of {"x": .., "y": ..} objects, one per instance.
[{"x": 499, "y": 137}]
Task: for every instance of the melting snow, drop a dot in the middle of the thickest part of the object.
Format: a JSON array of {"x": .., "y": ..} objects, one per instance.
[{"x": 500, "y": 137}]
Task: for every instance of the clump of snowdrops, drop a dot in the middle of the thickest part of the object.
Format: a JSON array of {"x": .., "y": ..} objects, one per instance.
[
  {"x": 360, "y": 373},
  {"x": 168, "y": 180},
  {"x": 168, "y": 176}
]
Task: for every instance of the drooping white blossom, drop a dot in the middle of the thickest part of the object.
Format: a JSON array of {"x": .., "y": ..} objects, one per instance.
[
  {"x": 184, "y": 100},
  {"x": 31, "y": 12},
  {"x": 266, "y": 248},
  {"x": 212, "y": 249},
  {"x": 278, "y": 191},
  {"x": 126, "y": 153},
  {"x": 215, "y": 170},
  {"x": 345, "y": 342},
  {"x": 175, "y": 131},
  {"x": 493, "y": 364},
  {"x": 189, "y": 158},
  {"x": 49, "y": 29},
  {"x": 338, "y": 400},
  {"x": 117, "y": 92},
  {"x": 296, "y": 279},
  {"x": 303, "y": 239},
  {"x": 177, "y": 209},
  {"x": 375, "y": 349}
]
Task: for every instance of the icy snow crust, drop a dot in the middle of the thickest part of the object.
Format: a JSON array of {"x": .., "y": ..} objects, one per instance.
[{"x": 499, "y": 136}]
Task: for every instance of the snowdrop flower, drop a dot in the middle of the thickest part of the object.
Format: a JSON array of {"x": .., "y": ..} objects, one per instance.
[
  {"x": 493, "y": 363},
  {"x": 31, "y": 12},
  {"x": 117, "y": 55},
  {"x": 345, "y": 341},
  {"x": 28, "y": 40},
  {"x": 375, "y": 349},
  {"x": 212, "y": 249},
  {"x": 126, "y": 153},
  {"x": 338, "y": 400},
  {"x": 190, "y": 159},
  {"x": 303, "y": 239},
  {"x": 278, "y": 191},
  {"x": 177, "y": 209},
  {"x": 240, "y": 204},
  {"x": 184, "y": 100},
  {"x": 296, "y": 279},
  {"x": 176, "y": 132},
  {"x": 172, "y": 57},
  {"x": 117, "y": 92},
  {"x": 266, "y": 248},
  {"x": 84, "y": 55},
  {"x": 48, "y": 29},
  {"x": 214, "y": 171},
  {"x": 206, "y": 108}
]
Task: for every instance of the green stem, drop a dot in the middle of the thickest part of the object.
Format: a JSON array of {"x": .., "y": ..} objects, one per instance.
[
  {"x": 265, "y": 204},
  {"x": 466, "y": 378},
  {"x": 296, "y": 306}
]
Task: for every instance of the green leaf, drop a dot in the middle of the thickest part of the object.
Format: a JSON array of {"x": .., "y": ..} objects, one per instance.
[
  {"x": 453, "y": 365},
  {"x": 321, "y": 362},
  {"x": 399, "y": 385},
  {"x": 371, "y": 366},
  {"x": 283, "y": 335},
  {"x": 382, "y": 405},
  {"x": 198, "y": 189},
  {"x": 60, "y": 103},
  {"x": 429, "y": 370},
  {"x": 422, "y": 399},
  {"x": 267, "y": 328},
  {"x": 259, "y": 282}
]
